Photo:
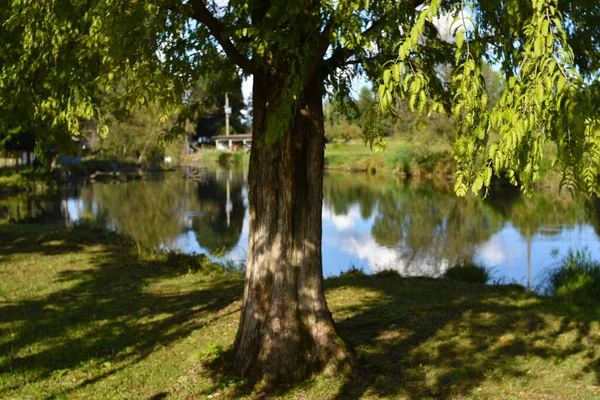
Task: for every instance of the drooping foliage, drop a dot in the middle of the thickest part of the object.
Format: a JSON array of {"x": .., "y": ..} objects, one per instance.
[
  {"x": 66, "y": 61},
  {"x": 550, "y": 96}
]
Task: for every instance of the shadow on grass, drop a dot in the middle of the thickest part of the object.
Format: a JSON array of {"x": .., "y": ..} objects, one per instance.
[
  {"x": 415, "y": 338},
  {"x": 421, "y": 338},
  {"x": 425, "y": 338},
  {"x": 101, "y": 313}
]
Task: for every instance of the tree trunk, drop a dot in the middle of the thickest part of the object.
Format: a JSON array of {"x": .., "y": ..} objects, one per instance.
[{"x": 286, "y": 330}]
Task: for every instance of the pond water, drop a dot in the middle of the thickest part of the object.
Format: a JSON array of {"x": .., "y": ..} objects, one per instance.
[{"x": 369, "y": 222}]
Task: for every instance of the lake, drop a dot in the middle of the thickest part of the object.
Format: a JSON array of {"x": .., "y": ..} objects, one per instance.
[{"x": 369, "y": 222}]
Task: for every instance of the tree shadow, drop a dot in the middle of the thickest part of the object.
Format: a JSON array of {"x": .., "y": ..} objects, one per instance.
[
  {"x": 103, "y": 313},
  {"x": 439, "y": 339},
  {"x": 422, "y": 338}
]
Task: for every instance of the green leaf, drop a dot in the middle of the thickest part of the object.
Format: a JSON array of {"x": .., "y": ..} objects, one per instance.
[{"x": 386, "y": 76}]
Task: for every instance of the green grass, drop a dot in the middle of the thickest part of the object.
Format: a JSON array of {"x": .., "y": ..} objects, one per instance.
[
  {"x": 82, "y": 316},
  {"x": 409, "y": 159},
  {"x": 576, "y": 279}
]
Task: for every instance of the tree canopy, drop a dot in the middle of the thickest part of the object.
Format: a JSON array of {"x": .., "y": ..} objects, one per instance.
[{"x": 59, "y": 57}]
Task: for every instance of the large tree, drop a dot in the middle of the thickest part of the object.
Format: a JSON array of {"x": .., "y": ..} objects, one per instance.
[{"x": 58, "y": 57}]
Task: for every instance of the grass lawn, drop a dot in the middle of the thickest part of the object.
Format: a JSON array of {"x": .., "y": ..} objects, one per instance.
[
  {"x": 82, "y": 316},
  {"x": 411, "y": 159}
]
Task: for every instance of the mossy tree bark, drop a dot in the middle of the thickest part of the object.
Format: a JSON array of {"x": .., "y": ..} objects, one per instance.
[{"x": 286, "y": 330}]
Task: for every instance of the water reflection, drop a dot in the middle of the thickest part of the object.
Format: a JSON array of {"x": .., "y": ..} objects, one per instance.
[
  {"x": 416, "y": 229},
  {"x": 223, "y": 202},
  {"x": 419, "y": 229},
  {"x": 37, "y": 208},
  {"x": 369, "y": 222}
]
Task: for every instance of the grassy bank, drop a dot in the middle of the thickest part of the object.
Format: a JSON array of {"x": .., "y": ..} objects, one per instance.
[
  {"x": 419, "y": 158},
  {"x": 84, "y": 316},
  {"x": 12, "y": 181},
  {"x": 400, "y": 158},
  {"x": 218, "y": 157}
]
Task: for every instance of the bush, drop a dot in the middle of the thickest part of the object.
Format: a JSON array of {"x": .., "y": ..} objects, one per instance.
[
  {"x": 430, "y": 162},
  {"x": 470, "y": 273},
  {"x": 227, "y": 158},
  {"x": 576, "y": 279},
  {"x": 154, "y": 159},
  {"x": 343, "y": 132},
  {"x": 193, "y": 263},
  {"x": 387, "y": 273},
  {"x": 402, "y": 160},
  {"x": 352, "y": 272}
]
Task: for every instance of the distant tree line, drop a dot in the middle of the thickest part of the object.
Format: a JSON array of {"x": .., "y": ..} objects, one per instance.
[{"x": 136, "y": 135}]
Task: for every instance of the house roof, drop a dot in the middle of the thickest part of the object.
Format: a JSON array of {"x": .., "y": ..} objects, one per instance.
[{"x": 242, "y": 136}]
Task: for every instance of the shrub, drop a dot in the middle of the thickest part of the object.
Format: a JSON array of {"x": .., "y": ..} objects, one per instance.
[
  {"x": 193, "y": 263},
  {"x": 225, "y": 158},
  {"x": 402, "y": 160},
  {"x": 468, "y": 272},
  {"x": 352, "y": 272},
  {"x": 576, "y": 279},
  {"x": 343, "y": 132},
  {"x": 387, "y": 273},
  {"x": 430, "y": 162}
]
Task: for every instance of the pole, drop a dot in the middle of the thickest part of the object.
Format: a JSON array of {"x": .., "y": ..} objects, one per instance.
[
  {"x": 528, "y": 262},
  {"x": 228, "y": 203},
  {"x": 227, "y": 112}
]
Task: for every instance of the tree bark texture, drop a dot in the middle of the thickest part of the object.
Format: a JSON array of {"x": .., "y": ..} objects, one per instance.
[{"x": 286, "y": 330}]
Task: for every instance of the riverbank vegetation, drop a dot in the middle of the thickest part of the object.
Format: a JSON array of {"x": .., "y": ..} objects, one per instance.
[
  {"x": 26, "y": 179},
  {"x": 468, "y": 272},
  {"x": 576, "y": 279},
  {"x": 401, "y": 158},
  {"x": 413, "y": 147},
  {"x": 84, "y": 315}
]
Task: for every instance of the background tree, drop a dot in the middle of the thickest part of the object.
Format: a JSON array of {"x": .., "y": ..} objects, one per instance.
[
  {"x": 19, "y": 142},
  {"x": 137, "y": 137},
  {"x": 59, "y": 55},
  {"x": 212, "y": 122}
]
